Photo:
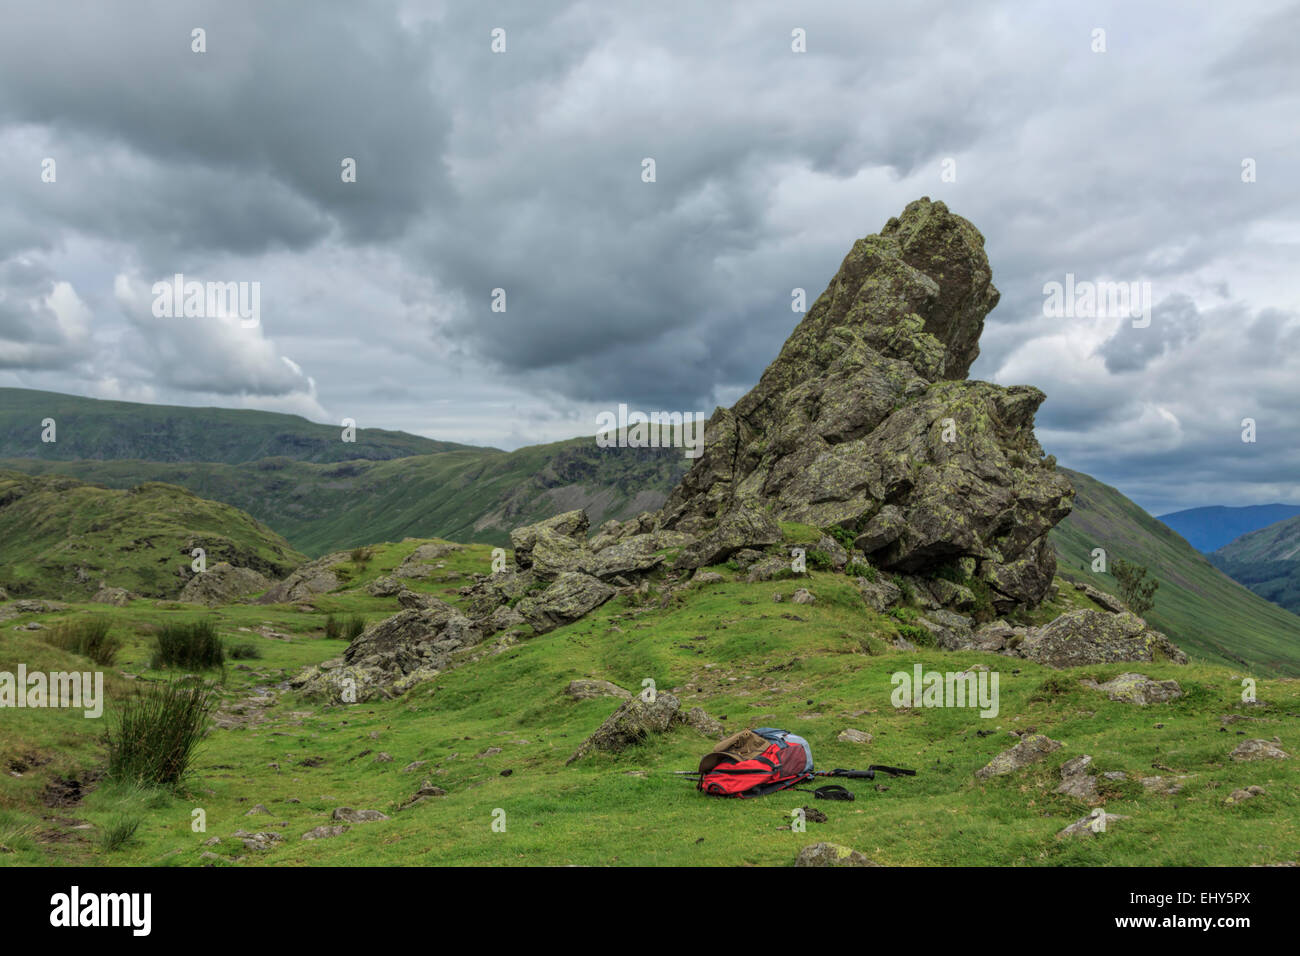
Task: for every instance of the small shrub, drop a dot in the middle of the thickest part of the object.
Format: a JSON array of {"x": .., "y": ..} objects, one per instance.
[
  {"x": 243, "y": 652},
  {"x": 1054, "y": 686},
  {"x": 843, "y": 535},
  {"x": 860, "y": 569},
  {"x": 333, "y": 628},
  {"x": 157, "y": 732},
  {"x": 118, "y": 832},
  {"x": 905, "y": 587},
  {"x": 917, "y": 634},
  {"x": 354, "y": 626},
  {"x": 88, "y": 638},
  {"x": 193, "y": 646},
  {"x": 818, "y": 560},
  {"x": 362, "y": 555},
  {"x": 1135, "y": 587}
]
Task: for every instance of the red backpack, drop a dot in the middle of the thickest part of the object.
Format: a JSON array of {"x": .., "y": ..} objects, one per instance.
[{"x": 754, "y": 763}]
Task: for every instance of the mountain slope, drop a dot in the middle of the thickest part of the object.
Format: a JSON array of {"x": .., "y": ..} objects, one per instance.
[
  {"x": 1267, "y": 561},
  {"x": 98, "y": 429},
  {"x": 1208, "y": 529},
  {"x": 62, "y": 538},
  {"x": 471, "y": 494},
  {"x": 1200, "y": 608}
]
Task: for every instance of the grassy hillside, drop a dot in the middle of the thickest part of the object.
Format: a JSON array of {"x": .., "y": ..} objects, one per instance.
[
  {"x": 474, "y": 494},
  {"x": 495, "y": 735},
  {"x": 61, "y": 538},
  {"x": 1203, "y": 610},
  {"x": 1208, "y": 529},
  {"x": 107, "y": 430},
  {"x": 1266, "y": 561}
]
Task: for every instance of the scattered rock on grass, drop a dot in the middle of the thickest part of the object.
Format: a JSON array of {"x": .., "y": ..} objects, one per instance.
[
  {"x": 1096, "y": 822},
  {"x": 852, "y": 736},
  {"x": 348, "y": 815},
  {"x": 324, "y": 831},
  {"x": 1259, "y": 750},
  {"x": 1031, "y": 749},
  {"x": 1138, "y": 689},
  {"x": 588, "y": 689},
  {"x": 831, "y": 854}
]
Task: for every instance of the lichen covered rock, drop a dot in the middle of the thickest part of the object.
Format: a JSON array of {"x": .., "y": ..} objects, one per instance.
[{"x": 865, "y": 421}]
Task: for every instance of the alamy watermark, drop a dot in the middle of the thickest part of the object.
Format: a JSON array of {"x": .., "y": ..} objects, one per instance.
[
  {"x": 76, "y": 690},
  {"x": 191, "y": 299},
  {"x": 923, "y": 688},
  {"x": 634, "y": 429},
  {"x": 1086, "y": 299}
]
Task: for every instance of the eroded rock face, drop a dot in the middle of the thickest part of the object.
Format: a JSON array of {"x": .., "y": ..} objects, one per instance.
[{"x": 865, "y": 421}]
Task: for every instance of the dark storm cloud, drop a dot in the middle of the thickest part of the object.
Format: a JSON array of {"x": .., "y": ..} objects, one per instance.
[
  {"x": 522, "y": 171},
  {"x": 282, "y": 94}
]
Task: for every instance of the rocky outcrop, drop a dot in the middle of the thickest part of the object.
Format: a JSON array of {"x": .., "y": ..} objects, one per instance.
[
  {"x": 865, "y": 421},
  {"x": 1138, "y": 689},
  {"x": 1097, "y": 637},
  {"x": 118, "y": 597},
  {"x": 634, "y": 720},
  {"x": 223, "y": 583},
  {"x": 315, "y": 577}
]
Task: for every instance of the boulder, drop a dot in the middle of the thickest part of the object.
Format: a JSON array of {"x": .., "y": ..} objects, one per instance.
[
  {"x": 570, "y": 596},
  {"x": 698, "y": 719},
  {"x": 1138, "y": 689},
  {"x": 348, "y": 815},
  {"x": 634, "y": 720},
  {"x": 951, "y": 631},
  {"x": 420, "y": 563},
  {"x": 572, "y": 525},
  {"x": 223, "y": 583},
  {"x": 1031, "y": 749},
  {"x": 1096, "y": 822},
  {"x": 1076, "y": 779},
  {"x": 586, "y": 689},
  {"x": 745, "y": 525},
  {"x": 880, "y": 594},
  {"x": 851, "y": 736},
  {"x": 1099, "y": 597},
  {"x": 1097, "y": 637},
  {"x": 118, "y": 597},
  {"x": 316, "y": 577},
  {"x": 325, "y": 831},
  {"x": 831, "y": 854},
  {"x": 1258, "y": 750}
]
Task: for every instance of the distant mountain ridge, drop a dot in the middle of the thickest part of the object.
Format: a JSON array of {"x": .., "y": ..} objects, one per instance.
[
  {"x": 104, "y": 430},
  {"x": 1200, "y": 607},
  {"x": 1267, "y": 561},
  {"x": 1208, "y": 529}
]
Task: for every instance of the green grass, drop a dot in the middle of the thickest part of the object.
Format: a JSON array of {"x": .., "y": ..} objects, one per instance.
[
  {"x": 1204, "y": 611},
  {"x": 191, "y": 646},
  {"x": 63, "y": 538},
  {"x": 814, "y": 669},
  {"x": 88, "y": 637}
]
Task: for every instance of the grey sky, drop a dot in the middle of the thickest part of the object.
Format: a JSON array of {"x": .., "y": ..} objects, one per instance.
[{"x": 522, "y": 170}]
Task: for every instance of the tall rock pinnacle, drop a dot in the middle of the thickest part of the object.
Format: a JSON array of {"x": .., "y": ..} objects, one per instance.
[{"x": 866, "y": 420}]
